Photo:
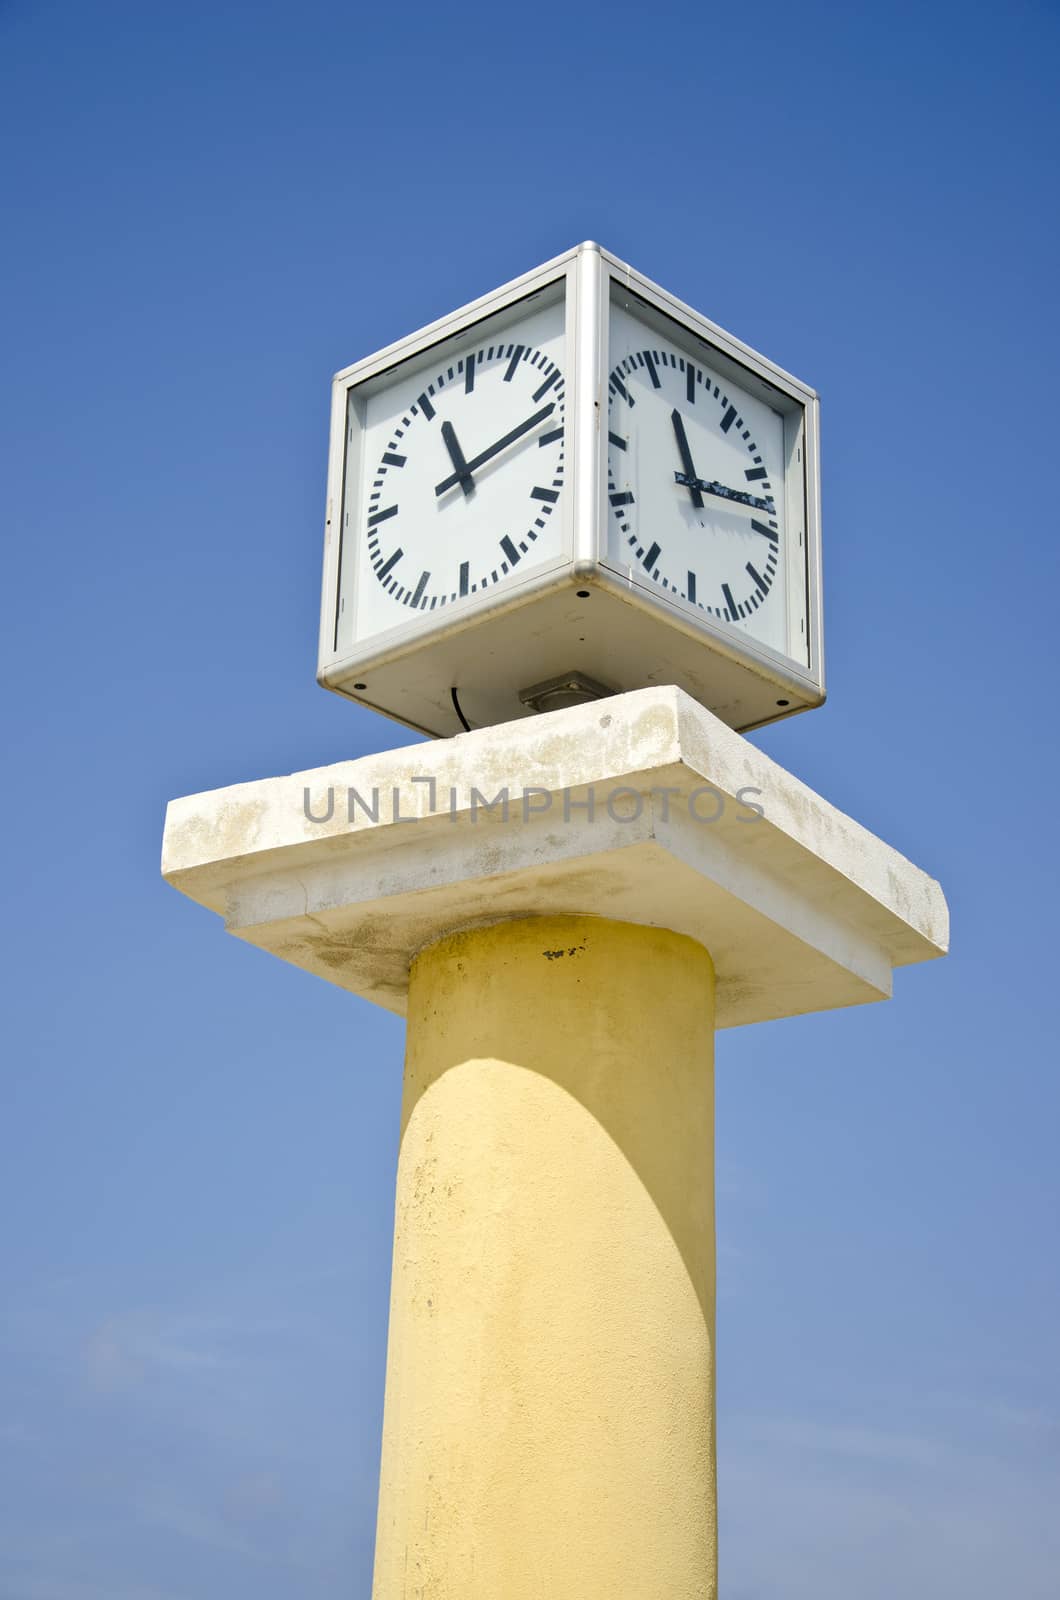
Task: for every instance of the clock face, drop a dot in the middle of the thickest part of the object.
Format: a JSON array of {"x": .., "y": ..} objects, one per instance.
[
  {"x": 697, "y": 484},
  {"x": 461, "y": 471}
]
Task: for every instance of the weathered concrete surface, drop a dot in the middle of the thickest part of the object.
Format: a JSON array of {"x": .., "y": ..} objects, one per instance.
[
  {"x": 802, "y": 909},
  {"x": 549, "y": 1429}
]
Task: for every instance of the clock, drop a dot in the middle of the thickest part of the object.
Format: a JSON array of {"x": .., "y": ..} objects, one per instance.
[
  {"x": 459, "y": 472},
  {"x": 573, "y": 486},
  {"x": 701, "y": 463}
]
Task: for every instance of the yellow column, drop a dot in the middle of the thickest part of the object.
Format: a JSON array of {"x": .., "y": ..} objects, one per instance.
[{"x": 549, "y": 1423}]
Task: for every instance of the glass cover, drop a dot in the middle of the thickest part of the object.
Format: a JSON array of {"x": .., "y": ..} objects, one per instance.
[
  {"x": 455, "y": 471},
  {"x": 698, "y": 478}
]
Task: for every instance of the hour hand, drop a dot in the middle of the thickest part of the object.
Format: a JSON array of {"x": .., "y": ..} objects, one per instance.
[
  {"x": 461, "y": 470},
  {"x": 701, "y": 486},
  {"x": 494, "y": 449},
  {"x": 688, "y": 477}
]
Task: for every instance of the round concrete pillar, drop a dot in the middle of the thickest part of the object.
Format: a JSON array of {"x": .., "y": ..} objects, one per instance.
[{"x": 549, "y": 1424}]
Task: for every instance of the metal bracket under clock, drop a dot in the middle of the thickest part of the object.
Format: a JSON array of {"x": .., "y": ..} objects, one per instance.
[{"x": 569, "y": 689}]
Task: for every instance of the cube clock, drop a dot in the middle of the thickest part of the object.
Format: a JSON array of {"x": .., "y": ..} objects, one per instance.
[{"x": 572, "y": 487}]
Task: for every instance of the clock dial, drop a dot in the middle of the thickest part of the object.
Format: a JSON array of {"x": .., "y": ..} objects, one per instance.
[
  {"x": 696, "y": 483},
  {"x": 463, "y": 486}
]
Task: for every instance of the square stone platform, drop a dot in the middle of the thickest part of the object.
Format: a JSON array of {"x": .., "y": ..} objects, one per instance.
[{"x": 640, "y": 808}]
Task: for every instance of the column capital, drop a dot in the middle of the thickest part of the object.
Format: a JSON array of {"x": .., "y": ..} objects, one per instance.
[{"x": 642, "y": 808}]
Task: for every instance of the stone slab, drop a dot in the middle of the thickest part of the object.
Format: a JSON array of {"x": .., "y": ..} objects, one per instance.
[{"x": 639, "y": 808}]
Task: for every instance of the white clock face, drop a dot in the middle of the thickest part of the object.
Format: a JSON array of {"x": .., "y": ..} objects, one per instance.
[
  {"x": 460, "y": 471},
  {"x": 698, "y": 499}
]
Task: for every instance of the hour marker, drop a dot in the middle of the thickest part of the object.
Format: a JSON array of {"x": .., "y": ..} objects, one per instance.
[
  {"x": 760, "y": 527},
  {"x": 551, "y": 438},
  {"x": 622, "y": 497},
  {"x": 617, "y": 384},
  {"x": 392, "y": 460},
  {"x": 510, "y": 551},
  {"x": 617, "y": 441},
  {"x": 381, "y": 516},
  {"x": 469, "y": 374},
  {"x": 651, "y": 556},
  {"x": 692, "y": 587},
  {"x": 690, "y": 383},
  {"x": 390, "y": 562},
  {"x": 652, "y": 373},
  {"x": 418, "y": 591},
  {"x": 551, "y": 495},
  {"x": 546, "y": 386},
  {"x": 426, "y": 407},
  {"x": 465, "y": 574},
  {"x": 755, "y": 472},
  {"x": 759, "y": 581},
  {"x": 728, "y": 419},
  {"x": 517, "y": 356},
  {"x": 729, "y": 601}
]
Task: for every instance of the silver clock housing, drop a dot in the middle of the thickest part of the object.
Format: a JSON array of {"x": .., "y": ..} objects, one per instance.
[{"x": 571, "y": 605}]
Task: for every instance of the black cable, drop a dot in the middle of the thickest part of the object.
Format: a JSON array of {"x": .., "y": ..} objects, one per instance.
[{"x": 456, "y": 707}]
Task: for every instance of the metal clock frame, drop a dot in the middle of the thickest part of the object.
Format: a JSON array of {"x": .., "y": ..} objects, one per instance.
[
  {"x": 335, "y": 667},
  {"x": 730, "y": 357}
]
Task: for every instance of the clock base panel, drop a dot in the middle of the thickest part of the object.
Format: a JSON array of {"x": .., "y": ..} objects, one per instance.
[{"x": 599, "y": 632}]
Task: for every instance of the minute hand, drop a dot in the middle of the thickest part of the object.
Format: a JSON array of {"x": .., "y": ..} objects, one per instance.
[
  {"x": 722, "y": 491},
  {"x": 495, "y": 449}
]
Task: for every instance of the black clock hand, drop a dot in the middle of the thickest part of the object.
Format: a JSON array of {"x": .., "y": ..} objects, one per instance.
[
  {"x": 495, "y": 449},
  {"x": 723, "y": 492},
  {"x": 456, "y": 455},
  {"x": 688, "y": 477}
]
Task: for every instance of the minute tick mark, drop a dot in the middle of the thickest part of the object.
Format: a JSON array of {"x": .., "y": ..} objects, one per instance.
[
  {"x": 758, "y": 580},
  {"x": 545, "y": 387},
  {"x": 381, "y": 516},
  {"x": 768, "y": 533}
]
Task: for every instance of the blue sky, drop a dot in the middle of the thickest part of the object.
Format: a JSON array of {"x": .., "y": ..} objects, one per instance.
[{"x": 208, "y": 210}]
